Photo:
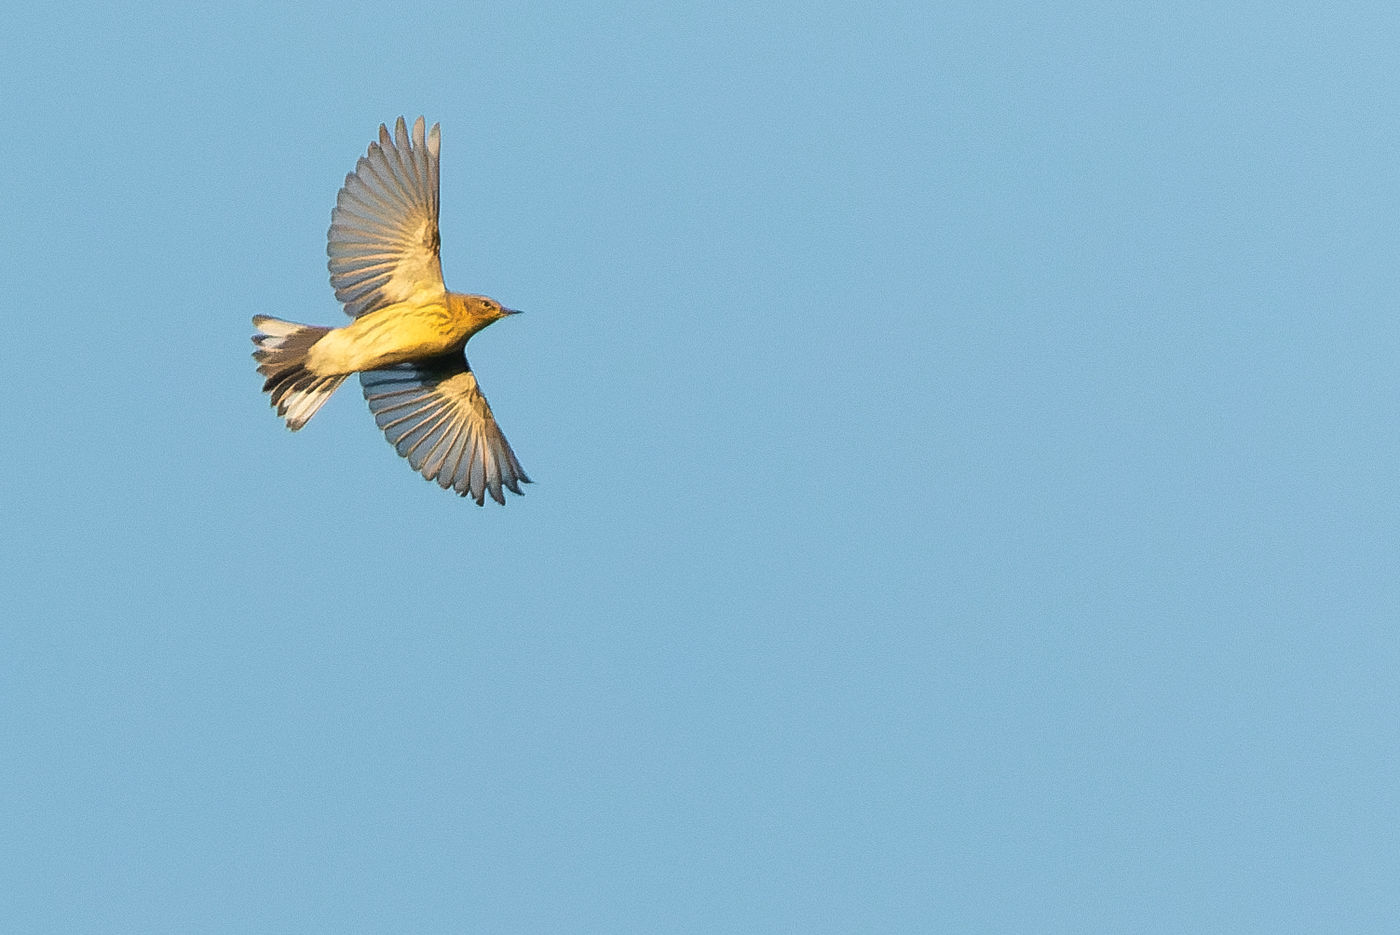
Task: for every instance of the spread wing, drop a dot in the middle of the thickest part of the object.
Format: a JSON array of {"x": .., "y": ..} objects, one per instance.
[
  {"x": 383, "y": 241},
  {"x": 435, "y": 416}
]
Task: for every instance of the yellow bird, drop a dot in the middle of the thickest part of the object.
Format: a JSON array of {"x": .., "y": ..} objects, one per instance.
[{"x": 409, "y": 334}]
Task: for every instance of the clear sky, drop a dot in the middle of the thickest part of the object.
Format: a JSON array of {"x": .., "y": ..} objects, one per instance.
[{"x": 966, "y": 453}]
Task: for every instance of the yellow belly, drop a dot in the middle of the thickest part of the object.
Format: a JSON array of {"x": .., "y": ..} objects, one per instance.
[{"x": 390, "y": 335}]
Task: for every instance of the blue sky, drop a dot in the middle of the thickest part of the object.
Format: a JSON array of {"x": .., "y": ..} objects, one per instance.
[{"x": 965, "y": 449}]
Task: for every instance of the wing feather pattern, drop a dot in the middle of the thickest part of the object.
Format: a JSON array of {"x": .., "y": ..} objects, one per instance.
[
  {"x": 383, "y": 241},
  {"x": 434, "y": 414}
]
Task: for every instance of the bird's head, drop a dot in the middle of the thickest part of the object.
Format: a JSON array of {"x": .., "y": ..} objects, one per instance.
[{"x": 481, "y": 311}]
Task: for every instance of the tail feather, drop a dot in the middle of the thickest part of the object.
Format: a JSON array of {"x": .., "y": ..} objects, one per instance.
[{"x": 281, "y": 355}]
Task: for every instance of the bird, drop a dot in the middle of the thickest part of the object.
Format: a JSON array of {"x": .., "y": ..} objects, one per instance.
[{"x": 408, "y": 337}]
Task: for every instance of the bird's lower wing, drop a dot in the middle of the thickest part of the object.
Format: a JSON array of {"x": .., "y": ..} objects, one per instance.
[{"x": 434, "y": 414}]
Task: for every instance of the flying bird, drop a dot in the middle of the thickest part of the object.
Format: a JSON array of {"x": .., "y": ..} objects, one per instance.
[{"x": 409, "y": 334}]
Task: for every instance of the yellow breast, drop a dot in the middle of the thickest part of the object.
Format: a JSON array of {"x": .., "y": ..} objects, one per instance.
[{"x": 390, "y": 335}]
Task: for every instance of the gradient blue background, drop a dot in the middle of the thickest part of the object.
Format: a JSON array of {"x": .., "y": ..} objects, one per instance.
[{"x": 966, "y": 452}]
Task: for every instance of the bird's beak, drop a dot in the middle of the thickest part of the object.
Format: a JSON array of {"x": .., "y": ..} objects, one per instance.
[{"x": 510, "y": 311}]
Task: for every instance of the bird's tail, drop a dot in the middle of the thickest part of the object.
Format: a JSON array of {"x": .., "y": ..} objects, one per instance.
[{"x": 281, "y": 355}]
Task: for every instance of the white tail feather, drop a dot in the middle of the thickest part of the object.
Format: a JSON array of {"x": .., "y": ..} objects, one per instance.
[{"x": 281, "y": 355}]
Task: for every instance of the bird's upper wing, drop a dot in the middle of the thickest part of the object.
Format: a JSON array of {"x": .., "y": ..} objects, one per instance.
[
  {"x": 435, "y": 416},
  {"x": 383, "y": 241}
]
